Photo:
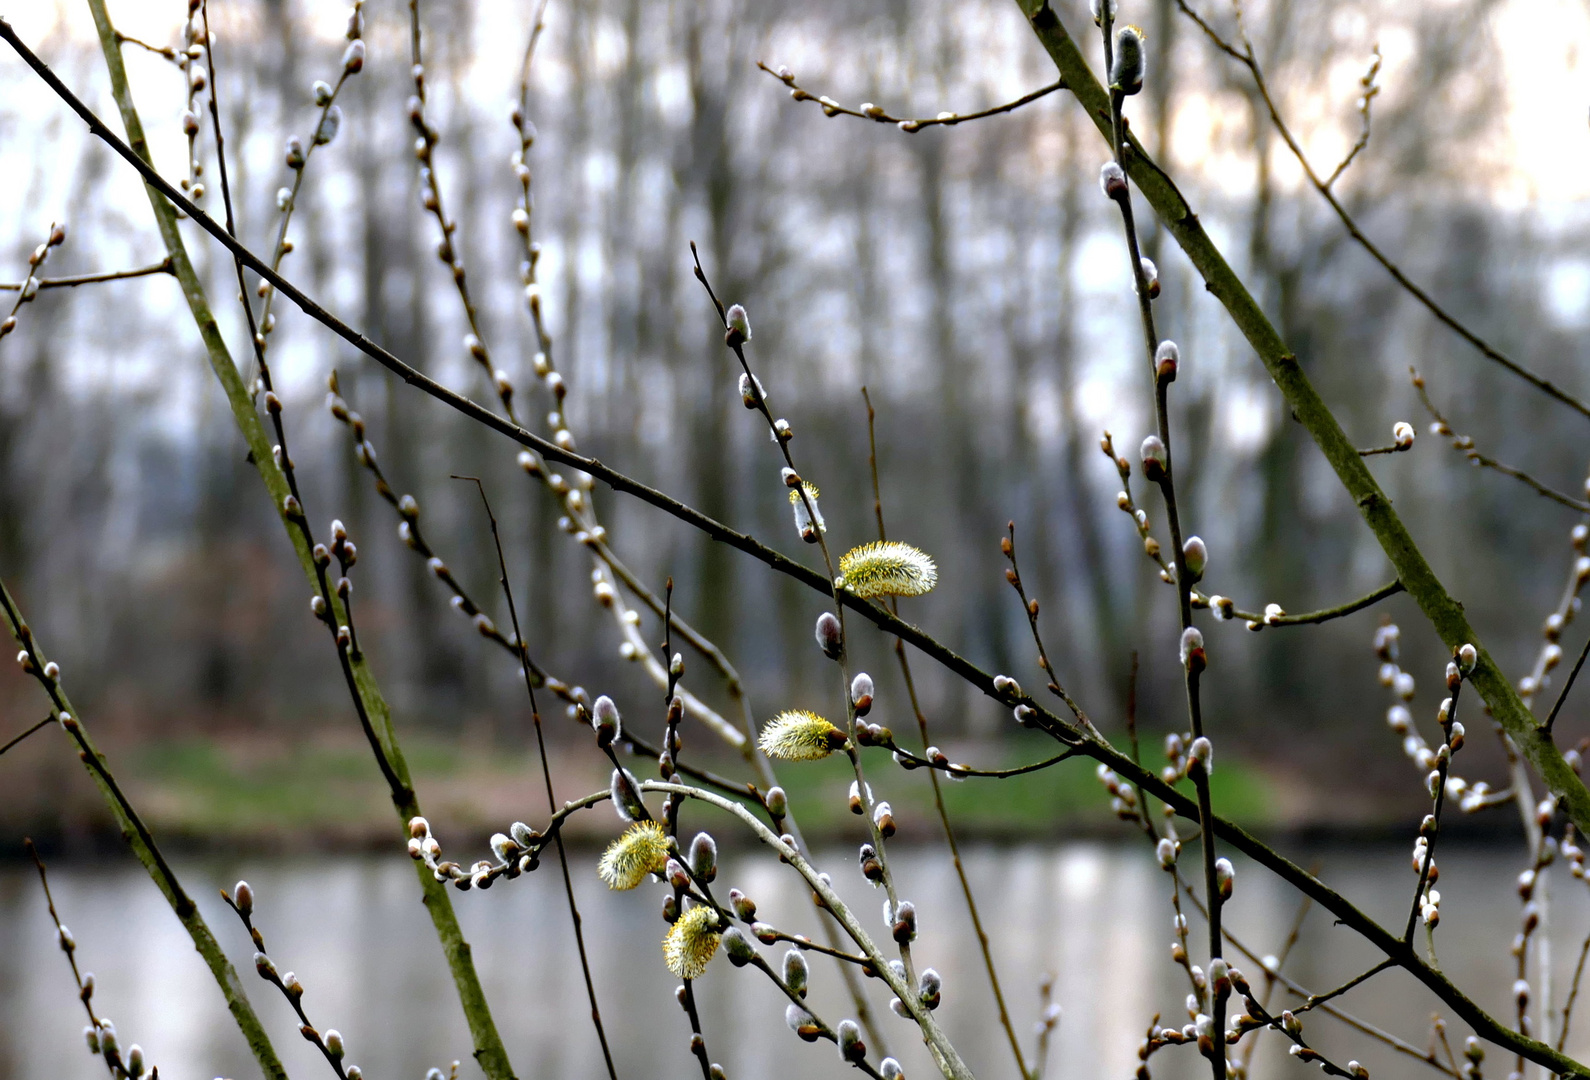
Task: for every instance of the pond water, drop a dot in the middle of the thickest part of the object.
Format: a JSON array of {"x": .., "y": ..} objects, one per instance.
[{"x": 1095, "y": 916}]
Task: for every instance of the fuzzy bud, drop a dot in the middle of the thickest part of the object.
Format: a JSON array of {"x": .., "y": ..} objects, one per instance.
[
  {"x": 1112, "y": 180},
  {"x": 1468, "y": 656},
  {"x": 704, "y": 857},
  {"x": 1402, "y": 435},
  {"x": 851, "y": 1048},
  {"x": 1192, "y": 649},
  {"x": 861, "y": 690},
  {"x": 1154, "y": 457},
  {"x": 1167, "y": 360},
  {"x": 871, "y": 868},
  {"x": 751, "y": 390},
  {"x": 801, "y": 1023},
  {"x": 1166, "y": 850},
  {"x": 625, "y": 791},
  {"x": 1126, "y": 73},
  {"x": 1150, "y": 279},
  {"x": 1007, "y": 687},
  {"x": 737, "y": 947},
  {"x": 329, "y": 125},
  {"x": 777, "y": 802},
  {"x": 737, "y": 326},
  {"x": 1195, "y": 555},
  {"x": 904, "y": 927},
  {"x": 883, "y": 818},
  {"x": 829, "y": 637},
  {"x": 605, "y": 720},
  {"x": 1225, "y": 877},
  {"x": 744, "y": 907},
  {"x": 796, "y": 971}
]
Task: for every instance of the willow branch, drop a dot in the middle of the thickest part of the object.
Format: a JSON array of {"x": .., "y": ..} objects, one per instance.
[
  {"x": 162, "y": 267},
  {"x": 869, "y": 111},
  {"x": 1464, "y": 445}
]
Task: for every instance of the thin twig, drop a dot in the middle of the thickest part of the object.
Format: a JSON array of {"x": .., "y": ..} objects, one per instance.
[
  {"x": 414, "y": 538},
  {"x": 938, "y": 794},
  {"x": 914, "y": 761},
  {"x": 162, "y": 267},
  {"x": 1371, "y": 90},
  {"x": 1193, "y": 661},
  {"x": 1293, "y": 935},
  {"x": 546, "y": 777},
  {"x": 85, "y": 986},
  {"x": 1573, "y": 993},
  {"x": 1299, "y": 991},
  {"x": 291, "y": 989},
  {"x": 165, "y": 52},
  {"x": 489, "y": 1051},
  {"x": 1007, "y": 544},
  {"x": 869, "y": 111},
  {"x": 1443, "y": 767},
  {"x": 41, "y": 725},
  {"x": 1464, "y": 444},
  {"x": 698, "y": 1044},
  {"x": 1551, "y": 718}
]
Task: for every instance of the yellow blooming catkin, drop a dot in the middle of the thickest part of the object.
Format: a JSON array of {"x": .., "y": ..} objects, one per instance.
[
  {"x": 799, "y": 735},
  {"x": 642, "y": 850},
  {"x": 887, "y": 568},
  {"x": 691, "y": 942}
]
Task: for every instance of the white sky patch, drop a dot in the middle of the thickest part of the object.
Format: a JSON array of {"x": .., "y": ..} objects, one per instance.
[
  {"x": 1100, "y": 266},
  {"x": 601, "y": 172},
  {"x": 1247, "y": 416},
  {"x": 1568, "y": 291},
  {"x": 671, "y": 87}
]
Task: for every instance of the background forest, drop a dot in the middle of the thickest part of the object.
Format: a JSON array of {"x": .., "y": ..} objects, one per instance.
[{"x": 962, "y": 274}]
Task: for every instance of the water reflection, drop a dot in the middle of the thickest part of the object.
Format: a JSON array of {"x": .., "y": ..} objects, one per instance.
[{"x": 1096, "y": 916}]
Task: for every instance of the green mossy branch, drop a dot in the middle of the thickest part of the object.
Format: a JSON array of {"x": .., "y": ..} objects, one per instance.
[{"x": 489, "y": 1050}]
